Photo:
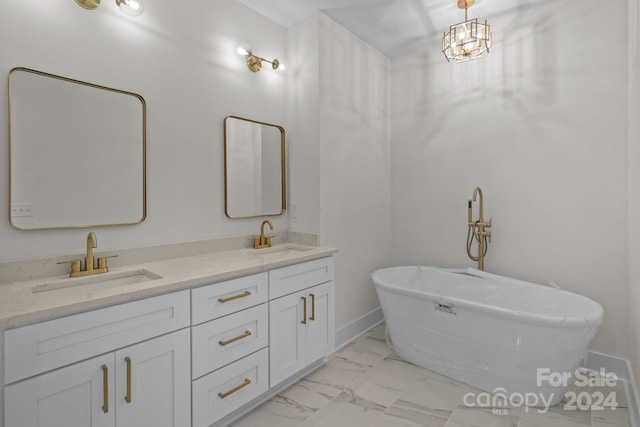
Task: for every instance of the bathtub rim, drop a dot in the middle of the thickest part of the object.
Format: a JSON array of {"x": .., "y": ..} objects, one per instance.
[{"x": 591, "y": 319}]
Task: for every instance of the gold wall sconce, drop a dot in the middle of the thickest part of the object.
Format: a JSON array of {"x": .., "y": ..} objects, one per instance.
[
  {"x": 128, "y": 7},
  {"x": 254, "y": 62},
  {"x": 466, "y": 40}
]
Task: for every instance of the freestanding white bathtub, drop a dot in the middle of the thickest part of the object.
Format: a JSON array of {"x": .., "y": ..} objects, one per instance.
[{"x": 485, "y": 330}]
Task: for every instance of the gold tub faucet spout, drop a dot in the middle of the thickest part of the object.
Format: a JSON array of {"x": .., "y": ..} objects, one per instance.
[
  {"x": 263, "y": 241},
  {"x": 478, "y": 230},
  {"x": 478, "y": 191}
]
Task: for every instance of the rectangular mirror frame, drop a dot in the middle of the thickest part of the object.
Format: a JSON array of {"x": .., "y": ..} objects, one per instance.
[
  {"x": 282, "y": 170},
  {"x": 143, "y": 140}
]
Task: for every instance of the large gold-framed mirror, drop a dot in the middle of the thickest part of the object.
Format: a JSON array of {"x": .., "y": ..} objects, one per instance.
[
  {"x": 77, "y": 153},
  {"x": 254, "y": 168}
]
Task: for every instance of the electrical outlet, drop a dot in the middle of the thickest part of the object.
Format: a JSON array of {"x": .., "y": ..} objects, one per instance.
[
  {"x": 21, "y": 209},
  {"x": 294, "y": 210}
]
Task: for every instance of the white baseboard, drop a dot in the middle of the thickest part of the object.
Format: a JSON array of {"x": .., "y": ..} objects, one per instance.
[
  {"x": 348, "y": 333},
  {"x": 622, "y": 368}
]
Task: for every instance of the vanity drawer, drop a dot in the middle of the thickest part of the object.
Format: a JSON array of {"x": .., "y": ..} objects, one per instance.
[
  {"x": 225, "y": 390},
  {"x": 219, "y": 299},
  {"x": 287, "y": 280},
  {"x": 37, "y": 348},
  {"x": 222, "y": 341}
]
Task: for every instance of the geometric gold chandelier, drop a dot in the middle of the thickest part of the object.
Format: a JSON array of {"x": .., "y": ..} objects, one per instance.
[{"x": 467, "y": 40}]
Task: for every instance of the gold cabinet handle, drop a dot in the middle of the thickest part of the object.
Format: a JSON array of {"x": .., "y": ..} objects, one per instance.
[
  {"x": 313, "y": 307},
  {"x": 239, "y": 337},
  {"x": 105, "y": 389},
  {"x": 246, "y": 382},
  {"x": 127, "y": 398},
  {"x": 242, "y": 295},
  {"x": 304, "y": 310}
]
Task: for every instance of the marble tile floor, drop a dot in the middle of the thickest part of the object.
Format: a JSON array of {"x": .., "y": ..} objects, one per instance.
[{"x": 367, "y": 384}]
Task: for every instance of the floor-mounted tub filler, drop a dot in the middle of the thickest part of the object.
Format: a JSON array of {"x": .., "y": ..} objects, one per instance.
[{"x": 492, "y": 332}]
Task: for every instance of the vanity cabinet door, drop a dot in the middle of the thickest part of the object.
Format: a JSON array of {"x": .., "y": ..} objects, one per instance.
[
  {"x": 71, "y": 396},
  {"x": 153, "y": 382},
  {"x": 320, "y": 334},
  {"x": 301, "y": 330},
  {"x": 286, "y": 337}
]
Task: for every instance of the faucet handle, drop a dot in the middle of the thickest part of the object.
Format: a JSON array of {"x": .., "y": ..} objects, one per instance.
[
  {"x": 487, "y": 233},
  {"x": 75, "y": 265},
  {"x": 102, "y": 261}
]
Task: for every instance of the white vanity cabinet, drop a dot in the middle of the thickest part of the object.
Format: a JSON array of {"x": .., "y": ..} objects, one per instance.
[
  {"x": 301, "y": 317},
  {"x": 197, "y": 357},
  {"x": 124, "y": 366}
]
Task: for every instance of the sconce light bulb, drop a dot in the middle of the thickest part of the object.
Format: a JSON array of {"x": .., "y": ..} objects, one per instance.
[
  {"x": 130, "y": 7},
  {"x": 282, "y": 66},
  {"x": 242, "y": 51}
]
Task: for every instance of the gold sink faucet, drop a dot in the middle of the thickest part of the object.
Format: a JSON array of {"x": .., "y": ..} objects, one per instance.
[
  {"x": 89, "y": 262},
  {"x": 263, "y": 241},
  {"x": 92, "y": 242},
  {"x": 478, "y": 230}
]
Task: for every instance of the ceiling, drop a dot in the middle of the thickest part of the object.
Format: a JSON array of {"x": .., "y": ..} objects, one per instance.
[{"x": 391, "y": 26}]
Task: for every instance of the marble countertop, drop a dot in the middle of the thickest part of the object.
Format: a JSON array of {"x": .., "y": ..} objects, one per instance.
[{"x": 20, "y": 305}]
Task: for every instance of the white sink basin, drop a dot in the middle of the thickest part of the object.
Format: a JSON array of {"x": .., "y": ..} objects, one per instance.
[
  {"x": 280, "y": 251},
  {"x": 99, "y": 281}
]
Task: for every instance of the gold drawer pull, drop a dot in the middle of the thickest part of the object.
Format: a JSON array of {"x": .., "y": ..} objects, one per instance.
[
  {"x": 313, "y": 307},
  {"x": 239, "y": 337},
  {"x": 246, "y": 382},
  {"x": 304, "y": 310},
  {"x": 242, "y": 295},
  {"x": 127, "y": 398},
  {"x": 105, "y": 389}
]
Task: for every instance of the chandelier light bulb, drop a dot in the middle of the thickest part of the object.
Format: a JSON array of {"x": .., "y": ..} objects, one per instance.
[{"x": 131, "y": 7}]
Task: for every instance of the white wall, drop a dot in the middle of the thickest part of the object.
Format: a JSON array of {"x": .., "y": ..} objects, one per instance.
[
  {"x": 355, "y": 193},
  {"x": 633, "y": 314},
  {"x": 540, "y": 125},
  {"x": 303, "y": 112},
  {"x": 341, "y": 133},
  {"x": 181, "y": 59}
]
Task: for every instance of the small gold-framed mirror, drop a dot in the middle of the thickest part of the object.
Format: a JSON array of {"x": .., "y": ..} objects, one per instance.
[
  {"x": 254, "y": 168},
  {"x": 77, "y": 153}
]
